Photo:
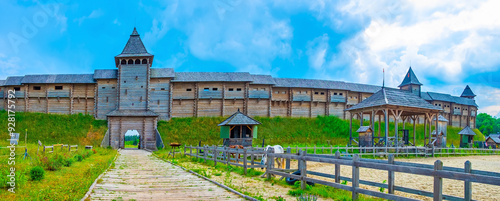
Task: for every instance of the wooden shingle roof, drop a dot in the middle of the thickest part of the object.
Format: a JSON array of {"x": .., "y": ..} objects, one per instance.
[
  {"x": 448, "y": 98},
  {"x": 467, "y": 131},
  {"x": 132, "y": 113},
  {"x": 212, "y": 77},
  {"x": 394, "y": 97},
  {"x": 58, "y": 78},
  {"x": 239, "y": 118},
  {"x": 2, "y": 82},
  {"x": 494, "y": 137},
  {"x": 363, "y": 129},
  {"x": 134, "y": 46},
  {"x": 13, "y": 81},
  {"x": 468, "y": 92},
  {"x": 325, "y": 84},
  {"x": 105, "y": 74},
  {"x": 262, "y": 79},
  {"x": 410, "y": 78}
]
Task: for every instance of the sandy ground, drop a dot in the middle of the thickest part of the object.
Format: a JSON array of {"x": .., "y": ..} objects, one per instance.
[{"x": 450, "y": 187}]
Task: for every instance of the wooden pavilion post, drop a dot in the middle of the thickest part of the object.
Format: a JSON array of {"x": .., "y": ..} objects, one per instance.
[
  {"x": 360, "y": 118},
  {"x": 425, "y": 128},
  {"x": 372, "y": 126},
  {"x": 386, "y": 116},
  {"x": 397, "y": 115},
  {"x": 414, "y": 118},
  {"x": 379, "y": 124},
  {"x": 350, "y": 129},
  {"x": 436, "y": 125}
]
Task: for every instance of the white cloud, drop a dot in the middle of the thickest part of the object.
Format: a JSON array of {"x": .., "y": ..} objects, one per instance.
[
  {"x": 317, "y": 51},
  {"x": 94, "y": 14}
]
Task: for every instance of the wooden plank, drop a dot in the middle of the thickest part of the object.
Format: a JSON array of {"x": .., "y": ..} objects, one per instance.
[
  {"x": 355, "y": 177},
  {"x": 438, "y": 182},
  {"x": 468, "y": 184},
  {"x": 390, "y": 180}
]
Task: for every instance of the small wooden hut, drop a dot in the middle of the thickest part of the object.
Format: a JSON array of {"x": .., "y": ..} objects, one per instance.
[
  {"x": 466, "y": 137},
  {"x": 439, "y": 138},
  {"x": 365, "y": 136},
  {"x": 493, "y": 140},
  {"x": 238, "y": 129}
]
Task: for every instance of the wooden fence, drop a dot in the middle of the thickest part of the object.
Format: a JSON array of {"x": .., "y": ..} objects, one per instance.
[
  {"x": 246, "y": 158},
  {"x": 397, "y": 151},
  {"x": 51, "y": 149},
  {"x": 438, "y": 171}
]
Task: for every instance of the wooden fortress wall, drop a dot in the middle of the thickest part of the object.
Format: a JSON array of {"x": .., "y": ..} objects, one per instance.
[{"x": 198, "y": 99}]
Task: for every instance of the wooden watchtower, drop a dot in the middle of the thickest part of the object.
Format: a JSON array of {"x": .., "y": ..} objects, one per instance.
[{"x": 238, "y": 129}]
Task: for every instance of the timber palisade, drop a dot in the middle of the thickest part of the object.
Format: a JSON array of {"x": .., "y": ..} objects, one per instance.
[{"x": 136, "y": 96}]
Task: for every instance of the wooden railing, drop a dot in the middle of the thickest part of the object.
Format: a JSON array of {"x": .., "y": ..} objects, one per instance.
[
  {"x": 246, "y": 158},
  {"x": 396, "y": 151},
  {"x": 63, "y": 147},
  {"x": 438, "y": 171}
]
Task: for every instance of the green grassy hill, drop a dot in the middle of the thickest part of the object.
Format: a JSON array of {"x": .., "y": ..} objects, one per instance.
[
  {"x": 284, "y": 131},
  {"x": 85, "y": 130},
  {"x": 54, "y": 128}
]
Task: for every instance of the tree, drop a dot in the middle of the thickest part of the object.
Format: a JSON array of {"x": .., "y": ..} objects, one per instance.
[{"x": 487, "y": 124}]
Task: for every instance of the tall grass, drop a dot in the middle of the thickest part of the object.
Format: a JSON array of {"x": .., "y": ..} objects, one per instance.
[
  {"x": 56, "y": 128},
  {"x": 321, "y": 131}
]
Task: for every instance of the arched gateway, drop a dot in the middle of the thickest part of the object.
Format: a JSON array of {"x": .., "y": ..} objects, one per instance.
[{"x": 133, "y": 95}]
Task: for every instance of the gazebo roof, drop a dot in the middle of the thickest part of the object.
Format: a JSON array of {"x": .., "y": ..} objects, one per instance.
[
  {"x": 239, "y": 118},
  {"x": 467, "y": 131},
  {"x": 440, "y": 118},
  {"x": 394, "y": 97}
]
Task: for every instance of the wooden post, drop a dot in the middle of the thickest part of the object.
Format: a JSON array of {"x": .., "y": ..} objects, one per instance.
[
  {"x": 337, "y": 168},
  {"x": 205, "y": 153},
  {"x": 252, "y": 158},
  {"x": 269, "y": 162},
  {"x": 184, "y": 149},
  {"x": 303, "y": 171},
  {"x": 215, "y": 155},
  {"x": 44, "y": 149},
  {"x": 390, "y": 179},
  {"x": 355, "y": 177},
  {"x": 467, "y": 185},
  {"x": 350, "y": 129},
  {"x": 288, "y": 151},
  {"x": 190, "y": 151},
  {"x": 386, "y": 121},
  {"x": 227, "y": 155},
  {"x": 438, "y": 182},
  {"x": 245, "y": 161}
]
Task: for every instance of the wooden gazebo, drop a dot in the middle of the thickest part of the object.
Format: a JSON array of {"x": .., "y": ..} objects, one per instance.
[
  {"x": 398, "y": 104},
  {"x": 238, "y": 129}
]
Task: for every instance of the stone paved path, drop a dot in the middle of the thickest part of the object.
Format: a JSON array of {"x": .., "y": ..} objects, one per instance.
[{"x": 139, "y": 176}]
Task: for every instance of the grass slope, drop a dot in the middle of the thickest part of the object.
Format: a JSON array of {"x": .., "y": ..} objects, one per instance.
[
  {"x": 284, "y": 131},
  {"x": 55, "y": 128}
]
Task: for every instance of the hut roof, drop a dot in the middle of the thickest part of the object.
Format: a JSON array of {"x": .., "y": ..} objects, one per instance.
[
  {"x": 212, "y": 77},
  {"x": 494, "y": 137},
  {"x": 410, "y": 78},
  {"x": 363, "y": 129},
  {"x": 162, "y": 72},
  {"x": 58, "y": 78},
  {"x": 134, "y": 46},
  {"x": 13, "y": 81},
  {"x": 395, "y": 97},
  {"x": 467, "y": 131},
  {"x": 133, "y": 113},
  {"x": 467, "y": 92},
  {"x": 239, "y": 118},
  {"x": 440, "y": 118}
]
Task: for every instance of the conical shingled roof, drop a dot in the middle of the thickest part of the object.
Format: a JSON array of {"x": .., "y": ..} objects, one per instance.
[
  {"x": 467, "y": 131},
  {"x": 239, "y": 118},
  {"x": 134, "y": 46},
  {"x": 468, "y": 92},
  {"x": 410, "y": 78}
]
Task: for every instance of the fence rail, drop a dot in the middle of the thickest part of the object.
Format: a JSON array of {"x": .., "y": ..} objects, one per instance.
[
  {"x": 51, "y": 149},
  {"x": 438, "y": 171},
  {"x": 231, "y": 156},
  {"x": 396, "y": 151}
]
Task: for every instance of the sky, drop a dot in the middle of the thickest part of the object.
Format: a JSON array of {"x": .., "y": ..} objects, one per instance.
[{"x": 449, "y": 44}]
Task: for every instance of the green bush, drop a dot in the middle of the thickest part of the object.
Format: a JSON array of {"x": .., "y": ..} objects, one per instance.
[
  {"x": 78, "y": 157},
  {"x": 37, "y": 173},
  {"x": 67, "y": 162}
]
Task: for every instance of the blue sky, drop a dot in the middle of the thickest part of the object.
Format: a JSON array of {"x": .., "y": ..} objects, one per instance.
[{"x": 449, "y": 44}]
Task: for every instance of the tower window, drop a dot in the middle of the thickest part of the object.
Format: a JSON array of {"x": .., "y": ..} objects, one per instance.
[
  {"x": 137, "y": 61},
  {"x": 17, "y": 88},
  {"x": 130, "y": 61},
  {"x": 238, "y": 89},
  {"x": 142, "y": 87},
  {"x": 103, "y": 87},
  {"x": 58, "y": 88},
  {"x": 322, "y": 93},
  {"x": 113, "y": 87},
  {"x": 335, "y": 93},
  {"x": 231, "y": 89},
  {"x": 37, "y": 88},
  {"x": 189, "y": 89},
  {"x": 163, "y": 89},
  {"x": 215, "y": 89},
  {"x": 144, "y": 61},
  {"x": 206, "y": 89},
  {"x": 316, "y": 93},
  {"x": 123, "y": 62},
  {"x": 340, "y": 94}
]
